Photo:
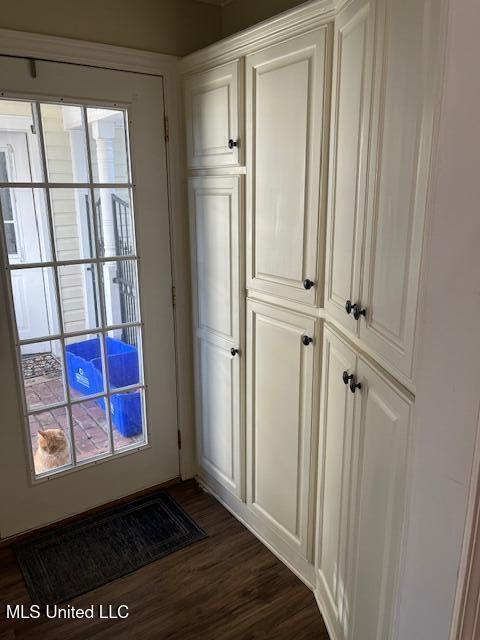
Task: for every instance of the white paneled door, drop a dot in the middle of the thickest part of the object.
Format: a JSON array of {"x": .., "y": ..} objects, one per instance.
[
  {"x": 382, "y": 124},
  {"x": 401, "y": 144},
  {"x": 213, "y": 117},
  {"x": 383, "y": 415},
  {"x": 352, "y": 71},
  {"x": 280, "y": 361},
  {"x": 365, "y": 422},
  {"x": 215, "y": 231},
  {"x": 334, "y": 478},
  {"x": 285, "y": 89},
  {"x": 88, "y": 390}
]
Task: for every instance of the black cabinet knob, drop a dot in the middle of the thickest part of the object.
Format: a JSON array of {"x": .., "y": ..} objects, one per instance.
[
  {"x": 348, "y": 306},
  {"x": 232, "y": 143},
  {"x": 307, "y": 340},
  {"x": 346, "y": 377},
  {"x": 358, "y": 311},
  {"x": 354, "y": 385},
  {"x": 234, "y": 351},
  {"x": 308, "y": 284}
]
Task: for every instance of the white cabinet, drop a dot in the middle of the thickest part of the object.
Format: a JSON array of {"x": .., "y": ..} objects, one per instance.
[
  {"x": 381, "y": 426},
  {"x": 280, "y": 362},
  {"x": 285, "y": 90},
  {"x": 335, "y": 454},
  {"x": 361, "y": 493},
  {"x": 214, "y": 117},
  {"x": 379, "y": 178},
  {"x": 352, "y": 65},
  {"x": 215, "y": 230},
  {"x": 401, "y": 144}
]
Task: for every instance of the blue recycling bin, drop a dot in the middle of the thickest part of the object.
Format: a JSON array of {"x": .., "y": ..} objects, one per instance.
[{"x": 84, "y": 371}]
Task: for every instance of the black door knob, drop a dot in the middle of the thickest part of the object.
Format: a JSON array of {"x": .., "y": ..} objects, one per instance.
[
  {"x": 358, "y": 311},
  {"x": 348, "y": 306},
  {"x": 308, "y": 284},
  {"x": 307, "y": 340},
  {"x": 234, "y": 351},
  {"x": 354, "y": 385},
  {"x": 346, "y": 377},
  {"x": 232, "y": 143}
]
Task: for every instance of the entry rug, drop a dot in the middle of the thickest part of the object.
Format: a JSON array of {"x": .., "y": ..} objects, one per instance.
[{"x": 73, "y": 559}]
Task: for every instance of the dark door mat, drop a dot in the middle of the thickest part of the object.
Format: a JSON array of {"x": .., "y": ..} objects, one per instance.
[{"x": 66, "y": 562}]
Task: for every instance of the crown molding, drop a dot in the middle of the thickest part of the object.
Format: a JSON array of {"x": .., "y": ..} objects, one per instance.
[
  {"x": 53, "y": 48},
  {"x": 302, "y": 19}
]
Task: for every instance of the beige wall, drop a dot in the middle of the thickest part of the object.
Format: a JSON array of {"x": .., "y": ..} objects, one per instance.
[
  {"x": 448, "y": 385},
  {"x": 240, "y": 14},
  {"x": 167, "y": 26}
]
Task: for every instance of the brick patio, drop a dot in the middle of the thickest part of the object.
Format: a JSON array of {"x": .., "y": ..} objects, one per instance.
[{"x": 89, "y": 423}]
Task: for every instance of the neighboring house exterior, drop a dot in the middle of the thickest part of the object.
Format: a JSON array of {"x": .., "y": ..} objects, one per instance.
[{"x": 74, "y": 239}]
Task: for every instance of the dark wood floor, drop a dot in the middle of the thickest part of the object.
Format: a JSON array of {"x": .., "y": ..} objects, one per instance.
[{"x": 226, "y": 587}]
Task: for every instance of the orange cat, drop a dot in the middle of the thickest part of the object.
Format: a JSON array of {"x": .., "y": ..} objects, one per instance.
[{"x": 53, "y": 450}]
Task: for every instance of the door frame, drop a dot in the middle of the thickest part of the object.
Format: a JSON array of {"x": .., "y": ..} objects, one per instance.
[
  {"x": 56, "y": 49},
  {"x": 466, "y": 612}
]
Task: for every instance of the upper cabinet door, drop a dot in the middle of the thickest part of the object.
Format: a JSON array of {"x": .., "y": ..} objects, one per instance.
[
  {"x": 334, "y": 479},
  {"x": 214, "y": 204},
  {"x": 401, "y": 142},
  {"x": 279, "y": 416},
  {"x": 381, "y": 425},
  {"x": 285, "y": 87},
  {"x": 352, "y": 73},
  {"x": 213, "y": 117}
]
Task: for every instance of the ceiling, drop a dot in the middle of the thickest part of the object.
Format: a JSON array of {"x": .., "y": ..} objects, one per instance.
[{"x": 219, "y": 3}]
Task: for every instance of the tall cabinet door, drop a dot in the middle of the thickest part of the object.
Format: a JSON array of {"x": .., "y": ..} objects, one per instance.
[
  {"x": 285, "y": 87},
  {"x": 215, "y": 240},
  {"x": 352, "y": 74},
  {"x": 279, "y": 415},
  {"x": 404, "y": 109},
  {"x": 334, "y": 479},
  {"x": 213, "y": 117},
  {"x": 382, "y": 423}
]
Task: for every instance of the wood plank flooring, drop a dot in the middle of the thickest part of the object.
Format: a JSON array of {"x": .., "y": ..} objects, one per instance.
[{"x": 226, "y": 587}]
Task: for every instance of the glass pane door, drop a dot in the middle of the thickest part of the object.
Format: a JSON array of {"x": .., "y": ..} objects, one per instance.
[{"x": 70, "y": 252}]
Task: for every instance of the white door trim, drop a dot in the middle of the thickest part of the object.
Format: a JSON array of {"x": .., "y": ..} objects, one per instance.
[
  {"x": 466, "y": 613},
  {"x": 53, "y": 48}
]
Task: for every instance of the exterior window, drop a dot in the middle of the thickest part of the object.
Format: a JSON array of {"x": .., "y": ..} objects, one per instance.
[{"x": 70, "y": 253}]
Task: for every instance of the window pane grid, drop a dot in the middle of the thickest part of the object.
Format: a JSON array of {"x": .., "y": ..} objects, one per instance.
[
  {"x": 83, "y": 332},
  {"x": 102, "y": 262}
]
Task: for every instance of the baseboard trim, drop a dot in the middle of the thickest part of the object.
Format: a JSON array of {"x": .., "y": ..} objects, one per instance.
[
  {"x": 241, "y": 511},
  {"x": 326, "y": 618}
]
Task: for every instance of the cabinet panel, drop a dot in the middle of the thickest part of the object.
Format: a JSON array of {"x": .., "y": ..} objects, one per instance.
[
  {"x": 353, "y": 51},
  {"x": 401, "y": 147},
  {"x": 212, "y": 106},
  {"x": 215, "y": 232},
  {"x": 219, "y": 436},
  {"x": 214, "y": 216},
  {"x": 382, "y": 424},
  {"x": 335, "y": 460},
  {"x": 285, "y": 95},
  {"x": 279, "y": 412}
]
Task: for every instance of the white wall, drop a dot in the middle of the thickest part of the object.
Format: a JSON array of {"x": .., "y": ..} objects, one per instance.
[{"x": 448, "y": 389}]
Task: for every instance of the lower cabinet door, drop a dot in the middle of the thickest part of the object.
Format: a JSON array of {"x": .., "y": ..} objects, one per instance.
[
  {"x": 218, "y": 310},
  {"x": 280, "y": 359},
  {"x": 382, "y": 421},
  {"x": 218, "y": 413},
  {"x": 334, "y": 480}
]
